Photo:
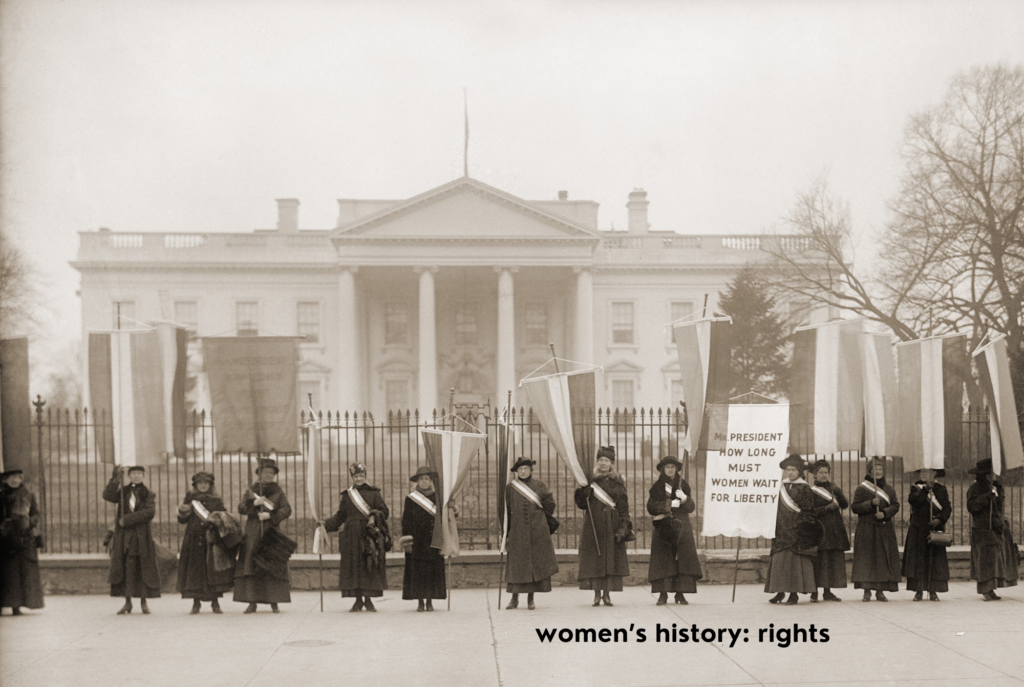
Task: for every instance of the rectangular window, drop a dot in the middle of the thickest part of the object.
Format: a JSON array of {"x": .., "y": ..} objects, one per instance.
[
  {"x": 536, "y": 324},
  {"x": 396, "y": 395},
  {"x": 308, "y": 314},
  {"x": 187, "y": 313},
  {"x": 679, "y": 310},
  {"x": 396, "y": 324},
  {"x": 247, "y": 318},
  {"x": 622, "y": 323},
  {"x": 466, "y": 324},
  {"x": 622, "y": 394},
  {"x": 124, "y": 315}
]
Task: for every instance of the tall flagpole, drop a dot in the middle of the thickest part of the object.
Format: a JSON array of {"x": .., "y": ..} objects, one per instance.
[
  {"x": 465, "y": 145},
  {"x": 505, "y": 513},
  {"x": 448, "y": 558}
]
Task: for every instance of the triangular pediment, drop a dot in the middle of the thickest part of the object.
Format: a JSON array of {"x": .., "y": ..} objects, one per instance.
[{"x": 464, "y": 209}]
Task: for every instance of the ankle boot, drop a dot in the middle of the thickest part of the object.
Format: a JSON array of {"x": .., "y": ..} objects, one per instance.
[
  {"x": 777, "y": 598},
  {"x": 932, "y": 596},
  {"x": 143, "y": 606},
  {"x": 792, "y": 600},
  {"x": 597, "y": 599},
  {"x": 16, "y": 610},
  {"x": 529, "y": 602},
  {"x": 880, "y": 595},
  {"x": 918, "y": 595},
  {"x": 420, "y": 607},
  {"x": 867, "y": 595},
  {"x": 514, "y": 603},
  {"x": 195, "y": 607},
  {"x": 829, "y": 596},
  {"x": 251, "y": 608},
  {"x": 127, "y": 608},
  {"x": 680, "y": 599},
  {"x": 814, "y": 597},
  {"x": 357, "y": 606},
  {"x": 368, "y": 605},
  {"x": 430, "y": 606},
  {"x": 608, "y": 599},
  {"x": 274, "y": 608},
  {"x": 662, "y": 599},
  {"x": 215, "y": 607}
]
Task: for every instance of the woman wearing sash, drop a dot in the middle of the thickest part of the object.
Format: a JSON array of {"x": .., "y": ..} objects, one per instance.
[
  {"x": 20, "y": 582},
  {"x": 607, "y": 508},
  {"x": 197, "y": 577},
  {"x": 876, "y": 556},
  {"x": 362, "y": 511},
  {"x": 994, "y": 556},
  {"x": 265, "y": 506},
  {"x": 424, "y": 567},
  {"x": 830, "y": 563},
  {"x": 674, "y": 566},
  {"x": 926, "y": 567},
  {"x": 133, "y": 568},
  {"x": 797, "y": 534},
  {"x": 531, "y": 555}
]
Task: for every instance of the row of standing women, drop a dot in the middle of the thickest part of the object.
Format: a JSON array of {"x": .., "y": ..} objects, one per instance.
[{"x": 809, "y": 549}]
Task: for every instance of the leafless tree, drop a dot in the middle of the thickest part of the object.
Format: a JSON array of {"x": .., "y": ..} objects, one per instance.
[{"x": 16, "y": 290}]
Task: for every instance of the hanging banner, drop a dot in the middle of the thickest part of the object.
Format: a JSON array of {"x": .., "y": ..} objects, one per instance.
[
  {"x": 746, "y": 442},
  {"x": 15, "y": 406}
]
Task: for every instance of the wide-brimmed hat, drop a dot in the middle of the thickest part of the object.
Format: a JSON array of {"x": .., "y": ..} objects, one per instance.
[
  {"x": 423, "y": 470},
  {"x": 521, "y": 462},
  {"x": 819, "y": 465},
  {"x": 669, "y": 460},
  {"x": 984, "y": 467},
  {"x": 13, "y": 471},
  {"x": 203, "y": 477},
  {"x": 355, "y": 468},
  {"x": 794, "y": 461},
  {"x": 606, "y": 452},
  {"x": 939, "y": 472},
  {"x": 267, "y": 463}
]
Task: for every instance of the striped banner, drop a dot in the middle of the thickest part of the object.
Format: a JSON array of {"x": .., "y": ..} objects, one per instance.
[
  {"x": 314, "y": 480},
  {"x": 15, "y": 407},
  {"x": 994, "y": 375},
  {"x": 704, "y": 366},
  {"x": 827, "y": 389},
  {"x": 137, "y": 377},
  {"x": 881, "y": 407},
  {"x": 931, "y": 389},
  {"x": 449, "y": 454},
  {"x": 561, "y": 402}
]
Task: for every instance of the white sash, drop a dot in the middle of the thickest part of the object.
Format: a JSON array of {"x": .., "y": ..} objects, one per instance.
[
  {"x": 200, "y": 510},
  {"x": 527, "y": 492},
  {"x": 423, "y": 502},
  {"x": 935, "y": 501},
  {"x": 132, "y": 502},
  {"x": 268, "y": 505},
  {"x": 880, "y": 493},
  {"x": 603, "y": 496},
  {"x": 787, "y": 500},
  {"x": 359, "y": 501},
  {"x": 823, "y": 493}
]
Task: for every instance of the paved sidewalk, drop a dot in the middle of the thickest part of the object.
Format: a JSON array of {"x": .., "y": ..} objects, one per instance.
[{"x": 77, "y": 640}]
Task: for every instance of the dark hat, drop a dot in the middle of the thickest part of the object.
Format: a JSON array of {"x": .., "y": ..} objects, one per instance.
[
  {"x": 133, "y": 468},
  {"x": 939, "y": 472},
  {"x": 606, "y": 452},
  {"x": 202, "y": 477},
  {"x": 12, "y": 471},
  {"x": 423, "y": 470},
  {"x": 984, "y": 467},
  {"x": 356, "y": 468},
  {"x": 521, "y": 462},
  {"x": 819, "y": 465},
  {"x": 267, "y": 463},
  {"x": 794, "y": 461},
  {"x": 669, "y": 460}
]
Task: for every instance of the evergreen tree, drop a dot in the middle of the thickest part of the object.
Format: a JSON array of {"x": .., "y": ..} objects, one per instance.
[{"x": 758, "y": 336}]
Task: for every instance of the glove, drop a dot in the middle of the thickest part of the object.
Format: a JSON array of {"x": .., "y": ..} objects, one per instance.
[
  {"x": 935, "y": 522},
  {"x": 676, "y": 503},
  {"x": 680, "y": 496},
  {"x": 585, "y": 492},
  {"x": 832, "y": 506},
  {"x": 184, "y": 508}
]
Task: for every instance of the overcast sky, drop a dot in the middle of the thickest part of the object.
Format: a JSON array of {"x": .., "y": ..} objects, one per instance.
[{"x": 194, "y": 116}]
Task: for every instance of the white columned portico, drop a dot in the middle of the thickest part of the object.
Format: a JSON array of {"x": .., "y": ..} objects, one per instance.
[
  {"x": 506, "y": 367},
  {"x": 349, "y": 372},
  {"x": 427, "y": 343},
  {"x": 584, "y": 333}
]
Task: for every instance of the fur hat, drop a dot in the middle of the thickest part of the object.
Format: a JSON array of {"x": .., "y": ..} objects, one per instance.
[
  {"x": 669, "y": 460},
  {"x": 521, "y": 462},
  {"x": 984, "y": 467},
  {"x": 203, "y": 477},
  {"x": 423, "y": 470},
  {"x": 819, "y": 465},
  {"x": 794, "y": 461},
  {"x": 267, "y": 463},
  {"x": 133, "y": 468},
  {"x": 355, "y": 468},
  {"x": 606, "y": 452}
]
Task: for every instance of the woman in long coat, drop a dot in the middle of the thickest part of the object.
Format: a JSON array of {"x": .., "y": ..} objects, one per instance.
[
  {"x": 674, "y": 565},
  {"x": 994, "y": 557},
  {"x": 797, "y": 535},
  {"x": 876, "y": 555},
  {"x": 133, "y": 569},
  {"x": 531, "y": 555},
  {"x": 424, "y": 567},
  {"x": 829, "y": 503},
  {"x": 362, "y": 573},
  {"x": 926, "y": 567},
  {"x": 20, "y": 584},
  {"x": 265, "y": 506},
  {"x": 607, "y": 508},
  {"x": 198, "y": 578}
]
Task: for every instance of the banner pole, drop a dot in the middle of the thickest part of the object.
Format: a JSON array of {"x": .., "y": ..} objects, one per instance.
[
  {"x": 736, "y": 568},
  {"x": 448, "y": 582},
  {"x": 501, "y": 577},
  {"x": 321, "y": 556},
  {"x": 593, "y": 527}
]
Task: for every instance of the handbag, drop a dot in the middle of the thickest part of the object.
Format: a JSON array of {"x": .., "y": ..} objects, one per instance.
[
  {"x": 553, "y": 523},
  {"x": 940, "y": 538}
]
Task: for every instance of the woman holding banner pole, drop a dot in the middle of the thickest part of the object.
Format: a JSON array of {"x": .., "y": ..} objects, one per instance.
[
  {"x": 531, "y": 522},
  {"x": 199, "y": 578},
  {"x": 797, "y": 536},
  {"x": 994, "y": 557},
  {"x": 876, "y": 556},
  {"x": 829, "y": 504},
  {"x": 361, "y": 516},
  {"x": 674, "y": 566},
  {"x": 133, "y": 568},
  {"x": 424, "y": 578},
  {"x": 925, "y": 565},
  {"x": 265, "y": 506},
  {"x": 602, "y": 557}
]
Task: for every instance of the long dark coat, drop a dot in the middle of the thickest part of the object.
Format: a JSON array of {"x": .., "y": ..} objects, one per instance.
[
  {"x": 789, "y": 536},
  {"x": 197, "y": 577},
  {"x": 253, "y": 585},
  {"x": 876, "y": 555},
  {"x": 916, "y": 551},
  {"x": 424, "y": 566},
  {"x": 531, "y": 555},
  {"x": 134, "y": 539},
  {"x": 995, "y": 560},
  {"x": 20, "y": 584},
  {"x": 830, "y": 515},
  {"x": 608, "y": 522},
  {"x": 673, "y": 550},
  {"x": 354, "y": 577}
]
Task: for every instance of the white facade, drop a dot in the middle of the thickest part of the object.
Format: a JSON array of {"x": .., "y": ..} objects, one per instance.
[{"x": 462, "y": 287}]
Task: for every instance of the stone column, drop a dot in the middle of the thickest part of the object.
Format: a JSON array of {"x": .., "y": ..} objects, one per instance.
[
  {"x": 506, "y": 335},
  {"x": 427, "y": 343},
  {"x": 584, "y": 333},
  {"x": 349, "y": 370}
]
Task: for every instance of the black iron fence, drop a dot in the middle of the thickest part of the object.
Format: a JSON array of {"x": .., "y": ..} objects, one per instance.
[{"x": 69, "y": 475}]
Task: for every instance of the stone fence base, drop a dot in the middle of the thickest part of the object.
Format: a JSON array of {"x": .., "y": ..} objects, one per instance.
[{"x": 87, "y": 573}]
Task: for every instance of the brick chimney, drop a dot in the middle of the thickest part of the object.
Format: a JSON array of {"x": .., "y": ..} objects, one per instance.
[
  {"x": 637, "y": 207},
  {"x": 288, "y": 215},
  {"x": 563, "y": 195}
]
